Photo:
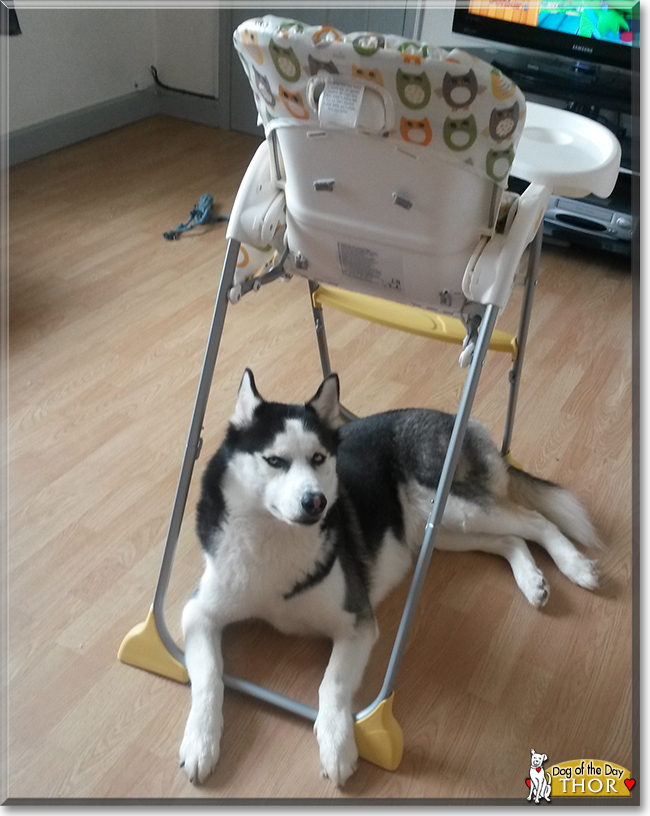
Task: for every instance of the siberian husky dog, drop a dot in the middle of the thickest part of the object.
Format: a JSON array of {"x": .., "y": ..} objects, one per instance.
[{"x": 308, "y": 525}]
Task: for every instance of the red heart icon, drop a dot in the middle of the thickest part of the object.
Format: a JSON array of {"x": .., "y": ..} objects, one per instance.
[
  {"x": 528, "y": 782},
  {"x": 630, "y": 783}
]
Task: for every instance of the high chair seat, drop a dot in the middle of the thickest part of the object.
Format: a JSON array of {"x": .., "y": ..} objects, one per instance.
[
  {"x": 416, "y": 95},
  {"x": 391, "y": 157}
]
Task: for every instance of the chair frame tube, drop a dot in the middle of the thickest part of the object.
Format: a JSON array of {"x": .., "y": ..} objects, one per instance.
[
  {"x": 193, "y": 447},
  {"x": 532, "y": 273}
]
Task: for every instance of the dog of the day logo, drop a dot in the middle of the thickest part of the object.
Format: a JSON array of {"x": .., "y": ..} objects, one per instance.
[{"x": 577, "y": 777}]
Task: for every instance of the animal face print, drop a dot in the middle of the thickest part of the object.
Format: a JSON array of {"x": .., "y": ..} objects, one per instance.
[
  {"x": 325, "y": 36},
  {"x": 414, "y": 89},
  {"x": 250, "y": 42},
  {"x": 293, "y": 103},
  {"x": 412, "y": 52},
  {"x": 498, "y": 162},
  {"x": 416, "y": 131},
  {"x": 460, "y": 134},
  {"x": 368, "y": 44},
  {"x": 316, "y": 65},
  {"x": 290, "y": 25},
  {"x": 285, "y": 61},
  {"x": 262, "y": 85},
  {"x": 459, "y": 91},
  {"x": 504, "y": 122},
  {"x": 367, "y": 73}
]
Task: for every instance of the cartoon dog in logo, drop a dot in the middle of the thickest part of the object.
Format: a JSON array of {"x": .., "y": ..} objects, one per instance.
[{"x": 540, "y": 781}]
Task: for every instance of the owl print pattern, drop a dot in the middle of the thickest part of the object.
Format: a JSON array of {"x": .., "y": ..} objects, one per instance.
[{"x": 436, "y": 100}]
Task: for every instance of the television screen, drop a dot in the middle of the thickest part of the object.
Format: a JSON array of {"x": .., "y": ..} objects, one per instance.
[
  {"x": 611, "y": 21},
  {"x": 602, "y": 30}
]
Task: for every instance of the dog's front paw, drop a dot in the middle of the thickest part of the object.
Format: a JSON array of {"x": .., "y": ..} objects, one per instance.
[
  {"x": 337, "y": 746},
  {"x": 199, "y": 751}
]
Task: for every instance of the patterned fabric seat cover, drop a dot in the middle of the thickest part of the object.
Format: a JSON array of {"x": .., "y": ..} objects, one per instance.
[{"x": 450, "y": 102}]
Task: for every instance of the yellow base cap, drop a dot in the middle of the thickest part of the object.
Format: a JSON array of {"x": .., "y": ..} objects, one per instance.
[
  {"x": 143, "y": 648},
  {"x": 379, "y": 737},
  {"x": 412, "y": 319},
  {"x": 512, "y": 462}
]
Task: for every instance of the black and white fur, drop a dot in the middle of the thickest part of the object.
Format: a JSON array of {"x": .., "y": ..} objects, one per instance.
[{"x": 308, "y": 525}]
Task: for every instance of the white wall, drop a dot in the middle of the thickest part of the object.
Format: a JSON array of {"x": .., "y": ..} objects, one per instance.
[
  {"x": 70, "y": 59},
  {"x": 187, "y": 54},
  {"x": 436, "y": 28},
  {"x": 436, "y": 25}
]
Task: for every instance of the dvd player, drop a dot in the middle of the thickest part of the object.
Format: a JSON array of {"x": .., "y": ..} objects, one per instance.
[
  {"x": 590, "y": 218},
  {"x": 608, "y": 224}
]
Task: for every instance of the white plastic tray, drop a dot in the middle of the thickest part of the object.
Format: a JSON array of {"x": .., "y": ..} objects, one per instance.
[{"x": 570, "y": 154}]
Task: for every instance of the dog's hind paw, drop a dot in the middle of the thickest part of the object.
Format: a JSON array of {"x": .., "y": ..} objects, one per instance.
[
  {"x": 582, "y": 571},
  {"x": 337, "y": 747},
  {"x": 532, "y": 583},
  {"x": 199, "y": 752},
  {"x": 536, "y": 590}
]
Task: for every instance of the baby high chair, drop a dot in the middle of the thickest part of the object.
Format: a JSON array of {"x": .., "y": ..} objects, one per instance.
[{"x": 382, "y": 180}]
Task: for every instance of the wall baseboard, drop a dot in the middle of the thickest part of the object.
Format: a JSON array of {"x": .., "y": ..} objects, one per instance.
[
  {"x": 61, "y": 131},
  {"x": 192, "y": 108}
]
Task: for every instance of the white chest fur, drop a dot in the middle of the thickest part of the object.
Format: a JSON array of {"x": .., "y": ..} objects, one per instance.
[{"x": 257, "y": 562}]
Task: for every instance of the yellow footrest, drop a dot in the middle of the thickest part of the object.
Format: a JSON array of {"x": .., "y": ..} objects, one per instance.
[{"x": 406, "y": 318}]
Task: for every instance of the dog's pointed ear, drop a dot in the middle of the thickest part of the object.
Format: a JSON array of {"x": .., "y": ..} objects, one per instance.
[
  {"x": 248, "y": 398},
  {"x": 326, "y": 401}
]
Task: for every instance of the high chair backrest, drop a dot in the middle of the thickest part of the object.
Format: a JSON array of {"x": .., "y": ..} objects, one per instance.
[{"x": 393, "y": 155}]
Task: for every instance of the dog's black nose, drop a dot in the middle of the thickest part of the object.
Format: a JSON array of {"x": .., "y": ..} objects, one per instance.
[{"x": 313, "y": 504}]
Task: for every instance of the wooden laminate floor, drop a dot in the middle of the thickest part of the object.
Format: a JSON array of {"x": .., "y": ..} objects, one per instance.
[{"x": 108, "y": 324}]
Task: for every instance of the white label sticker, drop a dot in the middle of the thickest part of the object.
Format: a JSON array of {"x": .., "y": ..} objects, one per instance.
[
  {"x": 378, "y": 267},
  {"x": 339, "y": 105}
]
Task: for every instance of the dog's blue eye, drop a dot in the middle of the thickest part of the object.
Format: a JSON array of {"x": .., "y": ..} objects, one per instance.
[
  {"x": 276, "y": 462},
  {"x": 318, "y": 458}
]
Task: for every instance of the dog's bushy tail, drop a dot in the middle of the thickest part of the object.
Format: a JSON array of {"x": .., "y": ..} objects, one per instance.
[{"x": 558, "y": 505}]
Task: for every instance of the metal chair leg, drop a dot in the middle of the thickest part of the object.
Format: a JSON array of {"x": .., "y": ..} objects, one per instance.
[
  {"x": 435, "y": 517},
  {"x": 150, "y": 645},
  {"x": 323, "y": 351},
  {"x": 319, "y": 326},
  {"x": 522, "y": 336}
]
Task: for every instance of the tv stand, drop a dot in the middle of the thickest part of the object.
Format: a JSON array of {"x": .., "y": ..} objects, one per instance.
[{"x": 566, "y": 79}]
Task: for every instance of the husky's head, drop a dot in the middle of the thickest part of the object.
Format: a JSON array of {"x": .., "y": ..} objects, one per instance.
[{"x": 283, "y": 457}]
